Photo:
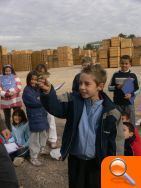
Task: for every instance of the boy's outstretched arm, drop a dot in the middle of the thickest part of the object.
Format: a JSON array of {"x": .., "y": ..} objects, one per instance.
[{"x": 52, "y": 104}]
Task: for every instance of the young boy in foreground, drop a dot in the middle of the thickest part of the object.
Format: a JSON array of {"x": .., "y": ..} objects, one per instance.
[{"x": 93, "y": 128}]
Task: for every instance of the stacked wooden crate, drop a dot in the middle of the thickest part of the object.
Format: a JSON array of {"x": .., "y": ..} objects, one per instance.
[
  {"x": 9, "y": 58},
  {"x": 21, "y": 60},
  {"x": 103, "y": 54},
  {"x": 106, "y": 43},
  {"x": 55, "y": 59},
  {"x": 137, "y": 42},
  {"x": 65, "y": 57},
  {"x": 85, "y": 53},
  {"x": 47, "y": 57},
  {"x": 88, "y": 53},
  {"x": 116, "y": 41},
  {"x": 94, "y": 56},
  {"x": 127, "y": 47},
  {"x": 114, "y": 50},
  {"x": 3, "y": 55},
  {"x": 77, "y": 54},
  {"x": 136, "y": 60},
  {"x": 0, "y": 59},
  {"x": 36, "y": 58}
]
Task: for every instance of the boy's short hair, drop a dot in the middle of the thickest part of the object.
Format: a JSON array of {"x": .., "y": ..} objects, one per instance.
[
  {"x": 86, "y": 60},
  {"x": 125, "y": 114},
  {"x": 97, "y": 71},
  {"x": 130, "y": 126},
  {"x": 127, "y": 57}
]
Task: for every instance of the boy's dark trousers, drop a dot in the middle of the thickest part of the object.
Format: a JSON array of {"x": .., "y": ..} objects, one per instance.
[
  {"x": 83, "y": 173},
  {"x": 8, "y": 177}
]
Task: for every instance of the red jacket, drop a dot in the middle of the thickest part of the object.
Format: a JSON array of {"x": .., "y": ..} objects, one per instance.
[{"x": 136, "y": 144}]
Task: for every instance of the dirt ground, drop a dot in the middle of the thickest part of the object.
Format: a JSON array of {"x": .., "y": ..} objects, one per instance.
[{"x": 53, "y": 174}]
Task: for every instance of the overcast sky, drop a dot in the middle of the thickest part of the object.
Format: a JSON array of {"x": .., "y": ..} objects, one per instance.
[{"x": 39, "y": 24}]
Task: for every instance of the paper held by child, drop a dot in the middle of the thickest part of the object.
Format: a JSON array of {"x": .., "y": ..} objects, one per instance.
[
  {"x": 59, "y": 86},
  {"x": 11, "y": 147},
  {"x": 120, "y": 81}
]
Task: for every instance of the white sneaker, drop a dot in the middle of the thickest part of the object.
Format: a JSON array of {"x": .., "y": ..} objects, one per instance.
[
  {"x": 55, "y": 154},
  {"x": 35, "y": 162}
]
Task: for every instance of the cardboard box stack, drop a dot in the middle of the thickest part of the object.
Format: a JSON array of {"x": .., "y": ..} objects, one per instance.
[
  {"x": 65, "y": 57},
  {"x": 21, "y": 60}
]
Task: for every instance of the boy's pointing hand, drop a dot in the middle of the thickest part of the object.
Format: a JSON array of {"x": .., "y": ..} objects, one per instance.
[{"x": 44, "y": 85}]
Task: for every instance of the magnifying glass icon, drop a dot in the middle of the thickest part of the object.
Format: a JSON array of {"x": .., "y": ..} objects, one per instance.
[{"x": 118, "y": 168}]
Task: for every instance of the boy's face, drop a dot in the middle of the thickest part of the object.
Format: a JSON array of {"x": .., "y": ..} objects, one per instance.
[
  {"x": 88, "y": 87},
  {"x": 125, "y": 65},
  {"x": 126, "y": 132}
]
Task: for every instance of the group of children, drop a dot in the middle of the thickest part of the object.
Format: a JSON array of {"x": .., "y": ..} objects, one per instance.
[
  {"x": 96, "y": 126},
  {"x": 28, "y": 133}
]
